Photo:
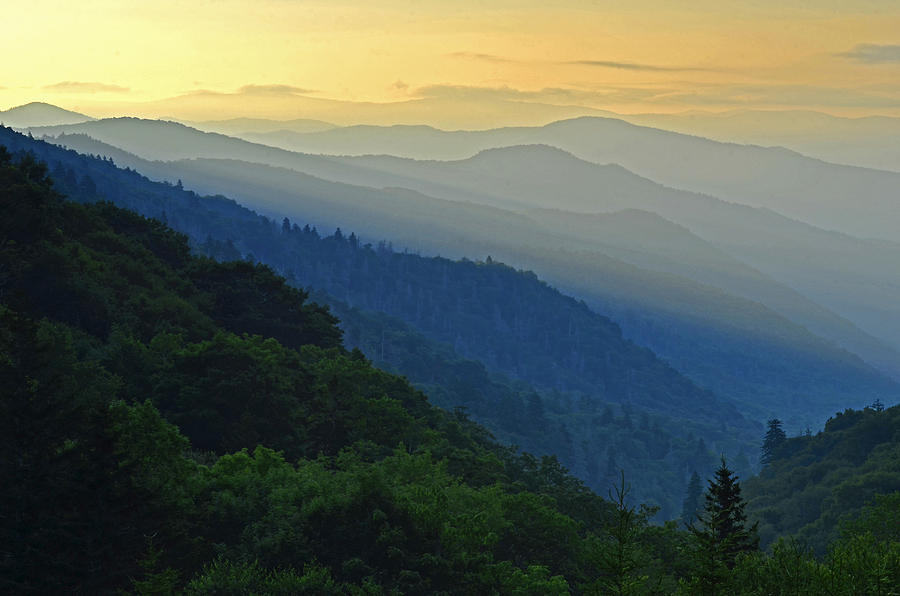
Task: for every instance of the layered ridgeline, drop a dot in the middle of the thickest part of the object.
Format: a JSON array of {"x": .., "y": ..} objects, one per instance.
[
  {"x": 581, "y": 391},
  {"x": 728, "y": 326},
  {"x": 844, "y": 274},
  {"x": 816, "y": 484},
  {"x": 868, "y": 141},
  {"x": 296, "y": 467},
  {"x": 789, "y": 183}
]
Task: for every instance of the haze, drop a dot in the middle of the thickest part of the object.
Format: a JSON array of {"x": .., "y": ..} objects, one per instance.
[{"x": 449, "y": 64}]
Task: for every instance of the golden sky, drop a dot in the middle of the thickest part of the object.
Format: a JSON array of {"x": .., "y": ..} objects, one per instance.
[{"x": 199, "y": 59}]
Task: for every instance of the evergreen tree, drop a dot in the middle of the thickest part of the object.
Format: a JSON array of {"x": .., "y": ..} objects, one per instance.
[
  {"x": 619, "y": 558},
  {"x": 692, "y": 500},
  {"x": 722, "y": 533},
  {"x": 775, "y": 437}
]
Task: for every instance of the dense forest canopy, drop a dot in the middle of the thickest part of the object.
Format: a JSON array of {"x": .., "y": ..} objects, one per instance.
[{"x": 813, "y": 484}]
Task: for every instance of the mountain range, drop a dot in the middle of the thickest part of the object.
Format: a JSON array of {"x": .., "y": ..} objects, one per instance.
[
  {"x": 445, "y": 227},
  {"x": 574, "y": 306},
  {"x": 451, "y": 328},
  {"x": 845, "y": 274}
]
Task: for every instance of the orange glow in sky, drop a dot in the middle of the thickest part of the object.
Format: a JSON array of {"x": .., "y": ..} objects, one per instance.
[{"x": 326, "y": 58}]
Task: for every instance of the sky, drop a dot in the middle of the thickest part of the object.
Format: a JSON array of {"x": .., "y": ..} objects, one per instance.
[{"x": 347, "y": 61}]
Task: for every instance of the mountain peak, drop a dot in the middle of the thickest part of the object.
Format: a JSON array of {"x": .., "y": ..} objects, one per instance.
[
  {"x": 38, "y": 113},
  {"x": 539, "y": 151}
]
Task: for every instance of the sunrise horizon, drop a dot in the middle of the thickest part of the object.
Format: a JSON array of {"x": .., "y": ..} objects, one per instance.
[{"x": 283, "y": 60}]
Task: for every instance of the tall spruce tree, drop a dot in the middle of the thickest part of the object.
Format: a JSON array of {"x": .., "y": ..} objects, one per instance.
[
  {"x": 721, "y": 531},
  {"x": 775, "y": 437}
]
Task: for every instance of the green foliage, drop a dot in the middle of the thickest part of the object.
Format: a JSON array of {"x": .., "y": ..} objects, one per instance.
[
  {"x": 620, "y": 558},
  {"x": 693, "y": 500},
  {"x": 85, "y": 477},
  {"x": 721, "y": 534},
  {"x": 816, "y": 481},
  {"x": 879, "y": 518},
  {"x": 107, "y": 494},
  {"x": 775, "y": 438},
  {"x": 857, "y": 565},
  {"x": 223, "y": 577}
]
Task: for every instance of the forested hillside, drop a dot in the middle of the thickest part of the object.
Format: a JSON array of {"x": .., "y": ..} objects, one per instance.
[
  {"x": 601, "y": 404},
  {"x": 109, "y": 323},
  {"x": 174, "y": 424},
  {"x": 755, "y": 349},
  {"x": 814, "y": 483}
]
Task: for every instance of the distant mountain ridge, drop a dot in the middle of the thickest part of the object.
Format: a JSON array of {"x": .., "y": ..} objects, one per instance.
[
  {"x": 868, "y": 142},
  {"x": 442, "y": 225},
  {"x": 270, "y": 190},
  {"x": 40, "y": 114},
  {"x": 523, "y": 177},
  {"x": 793, "y": 253},
  {"x": 787, "y": 182},
  {"x": 242, "y": 127}
]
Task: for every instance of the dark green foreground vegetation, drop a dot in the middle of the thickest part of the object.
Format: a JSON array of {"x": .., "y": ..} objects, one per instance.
[
  {"x": 173, "y": 424},
  {"x": 815, "y": 483}
]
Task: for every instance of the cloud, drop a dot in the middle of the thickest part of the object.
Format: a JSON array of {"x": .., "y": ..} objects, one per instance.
[
  {"x": 484, "y": 57},
  {"x": 85, "y": 87},
  {"x": 786, "y": 95},
  {"x": 273, "y": 90},
  {"x": 594, "y": 63},
  {"x": 632, "y": 66},
  {"x": 871, "y": 53},
  {"x": 681, "y": 94},
  {"x": 555, "y": 95}
]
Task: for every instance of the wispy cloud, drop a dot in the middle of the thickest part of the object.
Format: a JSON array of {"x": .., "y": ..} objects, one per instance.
[
  {"x": 786, "y": 95},
  {"x": 871, "y": 53},
  {"x": 633, "y": 66},
  {"x": 484, "y": 57},
  {"x": 85, "y": 87},
  {"x": 683, "y": 94},
  {"x": 547, "y": 94},
  {"x": 273, "y": 90},
  {"x": 593, "y": 63}
]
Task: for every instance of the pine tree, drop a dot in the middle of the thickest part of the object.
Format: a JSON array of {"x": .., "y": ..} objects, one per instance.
[
  {"x": 692, "y": 500},
  {"x": 722, "y": 531},
  {"x": 775, "y": 437}
]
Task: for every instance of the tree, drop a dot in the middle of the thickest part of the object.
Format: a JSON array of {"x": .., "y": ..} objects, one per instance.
[
  {"x": 877, "y": 405},
  {"x": 775, "y": 437},
  {"x": 692, "y": 500},
  {"x": 619, "y": 557},
  {"x": 722, "y": 533}
]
